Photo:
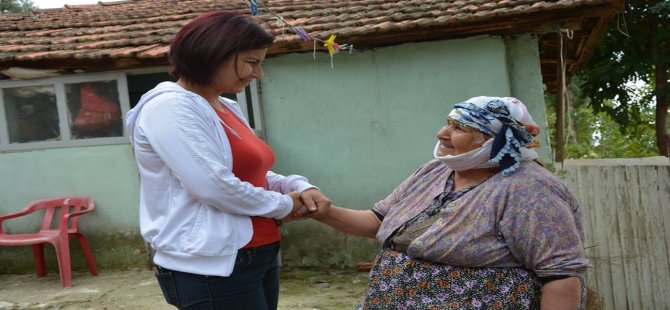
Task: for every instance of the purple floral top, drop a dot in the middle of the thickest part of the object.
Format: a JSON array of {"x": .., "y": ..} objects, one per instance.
[{"x": 529, "y": 219}]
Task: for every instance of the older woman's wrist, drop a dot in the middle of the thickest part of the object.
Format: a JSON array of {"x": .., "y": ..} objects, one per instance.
[{"x": 322, "y": 214}]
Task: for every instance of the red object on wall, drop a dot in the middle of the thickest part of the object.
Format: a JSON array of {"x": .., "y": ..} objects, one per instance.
[{"x": 96, "y": 112}]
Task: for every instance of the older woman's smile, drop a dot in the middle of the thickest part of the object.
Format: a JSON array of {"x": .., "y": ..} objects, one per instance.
[
  {"x": 445, "y": 148},
  {"x": 455, "y": 139}
]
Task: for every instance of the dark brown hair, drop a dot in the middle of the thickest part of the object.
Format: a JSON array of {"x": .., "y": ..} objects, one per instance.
[{"x": 203, "y": 44}]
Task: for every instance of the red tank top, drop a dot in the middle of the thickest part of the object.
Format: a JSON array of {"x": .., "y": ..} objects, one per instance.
[{"x": 252, "y": 159}]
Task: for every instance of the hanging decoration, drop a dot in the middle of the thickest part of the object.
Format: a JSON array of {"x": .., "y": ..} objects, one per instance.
[
  {"x": 253, "y": 6},
  {"x": 332, "y": 46},
  {"x": 302, "y": 33}
]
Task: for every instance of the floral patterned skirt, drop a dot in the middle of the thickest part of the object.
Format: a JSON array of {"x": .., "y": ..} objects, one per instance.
[{"x": 398, "y": 281}]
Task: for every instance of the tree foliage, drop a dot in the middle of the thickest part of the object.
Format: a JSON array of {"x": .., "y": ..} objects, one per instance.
[
  {"x": 597, "y": 134},
  {"x": 12, "y": 6},
  {"x": 608, "y": 142},
  {"x": 636, "y": 47}
]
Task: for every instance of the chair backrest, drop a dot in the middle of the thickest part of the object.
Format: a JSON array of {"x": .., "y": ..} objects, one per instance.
[{"x": 57, "y": 208}]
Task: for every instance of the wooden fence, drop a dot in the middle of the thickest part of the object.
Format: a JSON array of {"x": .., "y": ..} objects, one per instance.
[{"x": 626, "y": 208}]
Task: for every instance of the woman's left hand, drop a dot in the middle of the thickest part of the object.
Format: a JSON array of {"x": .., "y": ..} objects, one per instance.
[{"x": 314, "y": 200}]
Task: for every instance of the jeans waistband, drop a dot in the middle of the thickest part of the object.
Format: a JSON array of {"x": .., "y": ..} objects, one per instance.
[
  {"x": 260, "y": 249},
  {"x": 252, "y": 251}
]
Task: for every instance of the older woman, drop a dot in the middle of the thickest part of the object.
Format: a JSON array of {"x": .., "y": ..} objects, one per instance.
[{"x": 481, "y": 226}]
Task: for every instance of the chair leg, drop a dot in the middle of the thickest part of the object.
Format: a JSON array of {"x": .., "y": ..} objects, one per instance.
[
  {"x": 90, "y": 261},
  {"x": 38, "y": 258},
  {"x": 62, "y": 247}
]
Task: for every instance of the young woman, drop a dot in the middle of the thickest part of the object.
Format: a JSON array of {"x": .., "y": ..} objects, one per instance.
[{"x": 209, "y": 204}]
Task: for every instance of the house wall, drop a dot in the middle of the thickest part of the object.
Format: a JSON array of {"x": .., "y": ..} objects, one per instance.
[
  {"x": 106, "y": 173},
  {"x": 358, "y": 129},
  {"x": 523, "y": 65}
]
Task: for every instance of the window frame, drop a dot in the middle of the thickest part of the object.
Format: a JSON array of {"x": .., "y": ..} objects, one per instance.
[
  {"x": 256, "y": 107},
  {"x": 61, "y": 103}
]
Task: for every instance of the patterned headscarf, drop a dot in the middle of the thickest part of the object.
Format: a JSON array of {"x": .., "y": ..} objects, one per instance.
[{"x": 507, "y": 120}]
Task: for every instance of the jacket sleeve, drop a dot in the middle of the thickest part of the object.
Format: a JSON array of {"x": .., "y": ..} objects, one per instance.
[
  {"x": 187, "y": 140},
  {"x": 286, "y": 184}
]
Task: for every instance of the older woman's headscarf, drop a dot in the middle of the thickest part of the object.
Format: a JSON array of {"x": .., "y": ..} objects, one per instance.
[{"x": 507, "y": 120}]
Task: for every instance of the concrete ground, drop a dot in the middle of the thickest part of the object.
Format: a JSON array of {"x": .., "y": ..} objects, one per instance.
[{"x": 137, "y": 289}]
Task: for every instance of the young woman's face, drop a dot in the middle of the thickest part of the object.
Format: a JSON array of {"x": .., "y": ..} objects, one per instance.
[
  {"x": 457, "y": 139},
  {"x": 237, "y": 72}
]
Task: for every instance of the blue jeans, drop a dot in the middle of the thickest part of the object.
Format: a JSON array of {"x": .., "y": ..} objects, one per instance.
[{"x": 254, "y": 283}]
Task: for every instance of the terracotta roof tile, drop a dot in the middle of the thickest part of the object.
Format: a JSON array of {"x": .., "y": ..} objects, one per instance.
[
  {"x": 144, "y": 28},
  {"x": 154, "y": 52},
  {"x": 129, "y": 51}
]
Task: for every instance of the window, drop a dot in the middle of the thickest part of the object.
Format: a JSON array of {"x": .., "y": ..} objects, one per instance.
[
  {"x": 250, "y": 103},
  {"x": 88, "y": 109},
  {"x": 63, "y": 111},
  {"x": 144, "y": 80}
]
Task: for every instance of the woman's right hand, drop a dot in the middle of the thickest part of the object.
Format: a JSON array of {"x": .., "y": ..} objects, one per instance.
[{"x": 299, "y": 208}]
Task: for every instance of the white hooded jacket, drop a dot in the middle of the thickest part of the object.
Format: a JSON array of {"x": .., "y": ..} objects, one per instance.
[{"x": 193, "y": 211}]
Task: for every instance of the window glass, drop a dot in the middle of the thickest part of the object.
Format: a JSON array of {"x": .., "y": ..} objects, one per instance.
[
  {"x": 31, "y": 113},
  {"x": 138, "y": 84},
  {"x": 94, "y": 109}
]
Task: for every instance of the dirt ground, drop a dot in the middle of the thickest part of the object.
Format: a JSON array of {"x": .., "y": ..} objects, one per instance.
[{"x": 138, "y": 289}]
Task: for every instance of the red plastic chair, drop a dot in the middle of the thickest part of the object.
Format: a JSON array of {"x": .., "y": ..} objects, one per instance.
[{"x": 66, "y": 220}]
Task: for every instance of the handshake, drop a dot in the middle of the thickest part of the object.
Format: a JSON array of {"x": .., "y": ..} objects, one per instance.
[{"x": 311, "y": 203}]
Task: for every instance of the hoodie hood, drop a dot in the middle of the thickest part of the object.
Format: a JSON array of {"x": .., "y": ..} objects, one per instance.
[
  {"x": 172, "y": 87},
  {"x": 162, "y": 88}
]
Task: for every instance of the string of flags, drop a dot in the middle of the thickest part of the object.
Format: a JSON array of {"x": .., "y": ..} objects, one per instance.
[{"x": 330, "y": 44}]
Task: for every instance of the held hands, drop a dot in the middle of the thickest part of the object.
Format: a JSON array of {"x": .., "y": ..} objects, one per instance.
[
  {"x": 320, "y": 200},
  {"x": 315, "y": 202},
  {"x": 310, "y": 203}
]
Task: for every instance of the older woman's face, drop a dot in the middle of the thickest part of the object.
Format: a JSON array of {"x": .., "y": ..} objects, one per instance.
[{"x": 457, "y": 139}]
